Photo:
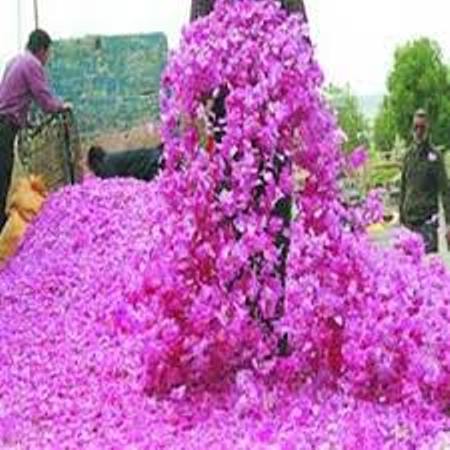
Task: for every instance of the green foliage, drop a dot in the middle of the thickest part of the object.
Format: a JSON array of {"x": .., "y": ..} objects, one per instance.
[
  {"x": 418, "y": 80},
  {"x": 382, "y": 174},
  {"x": 384, "y": 131},
  {"x": 441, "y": 129},
  {"x": 350, "y": 116}
]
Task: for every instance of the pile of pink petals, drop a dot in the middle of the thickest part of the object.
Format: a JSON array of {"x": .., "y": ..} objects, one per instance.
[
  {"x": 125, "y": 320},
  {"x": 70, "y": 380}
]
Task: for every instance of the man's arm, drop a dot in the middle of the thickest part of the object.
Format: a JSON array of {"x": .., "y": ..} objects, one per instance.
[{"x": 40, "y": 89}]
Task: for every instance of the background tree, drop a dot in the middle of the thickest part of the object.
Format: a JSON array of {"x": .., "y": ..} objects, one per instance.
[
  {"x": 419, "y": 79},
  {"x": 384, "y": 130},
  {"x": 441, "y": 129},
  {"x": 350, "y": 116}
]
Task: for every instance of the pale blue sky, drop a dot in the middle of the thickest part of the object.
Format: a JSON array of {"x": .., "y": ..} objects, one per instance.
[{"x": 355, "y": 39}]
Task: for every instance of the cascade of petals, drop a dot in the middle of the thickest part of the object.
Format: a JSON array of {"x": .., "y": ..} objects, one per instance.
[{"x": 264, "y": 267}]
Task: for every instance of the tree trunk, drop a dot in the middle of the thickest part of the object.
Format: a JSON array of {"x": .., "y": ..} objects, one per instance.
[{"x": 201, "y": 8}]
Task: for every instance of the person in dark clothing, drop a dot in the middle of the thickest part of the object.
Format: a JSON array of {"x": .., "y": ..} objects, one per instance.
[
  {"x": 142, "y": 164},
  {"x": 423, "y": 179},
  {"x": 8, "y": 131},
  {"x": 24, "y": 81}
]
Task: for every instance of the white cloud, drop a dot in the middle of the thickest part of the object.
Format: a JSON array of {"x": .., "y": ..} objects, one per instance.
[
  {"x": 355, "y": 39},
  {"x": 62, "y": 19}
]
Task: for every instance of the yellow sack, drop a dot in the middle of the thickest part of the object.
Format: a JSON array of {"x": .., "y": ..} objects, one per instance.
[
  {"x": 25, "y": 202},
  {"x": 379, "y": 227},
  {"x": 376, "y": 227}
]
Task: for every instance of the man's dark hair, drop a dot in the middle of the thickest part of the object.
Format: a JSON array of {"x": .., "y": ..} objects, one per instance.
[
  {"x": 38, "y": 40},
  {"x": 96, "y": 156}
]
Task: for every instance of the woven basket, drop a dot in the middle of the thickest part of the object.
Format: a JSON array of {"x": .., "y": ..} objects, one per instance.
[{"x": 51, "y": 152}]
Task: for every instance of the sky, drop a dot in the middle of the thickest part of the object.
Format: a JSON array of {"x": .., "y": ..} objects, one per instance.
[{"x": 355, "y": 39}]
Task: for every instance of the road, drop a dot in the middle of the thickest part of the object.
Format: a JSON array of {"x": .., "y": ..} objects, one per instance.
[{"x": 385, "y": 238}]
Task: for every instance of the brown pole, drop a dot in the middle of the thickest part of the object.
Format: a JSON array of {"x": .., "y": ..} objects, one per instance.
[
  {"x": 36, "y": 14},
  {"x": 19, "y": 25}
]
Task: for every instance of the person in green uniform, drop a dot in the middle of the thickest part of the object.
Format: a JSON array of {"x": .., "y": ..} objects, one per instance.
[{"x": 423, "y": 180}]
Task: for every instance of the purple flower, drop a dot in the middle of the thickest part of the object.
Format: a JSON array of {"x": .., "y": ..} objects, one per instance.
[{"x": 357, "y": 158}]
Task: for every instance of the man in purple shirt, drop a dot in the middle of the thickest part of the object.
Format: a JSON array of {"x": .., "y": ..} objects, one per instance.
[{"x": 24, "y": 80}]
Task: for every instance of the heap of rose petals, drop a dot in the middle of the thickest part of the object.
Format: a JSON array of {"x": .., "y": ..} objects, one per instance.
[
  {"x": 372, "y": 323},
  {"x": 126, "y": 316}
]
